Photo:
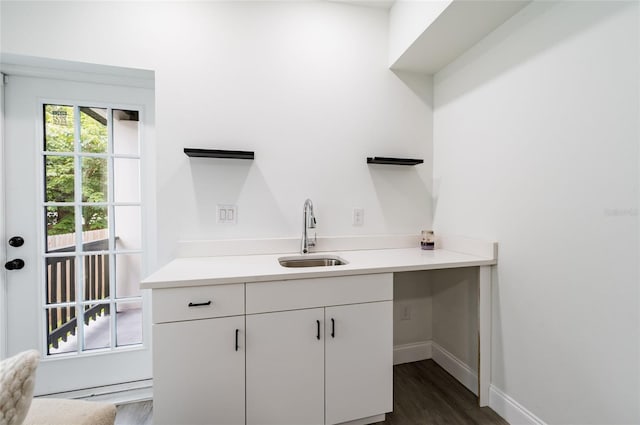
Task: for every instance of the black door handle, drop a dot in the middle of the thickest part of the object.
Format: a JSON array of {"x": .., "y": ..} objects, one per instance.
[
  {"x": 333, "y": 328},
  {"x": 318, "y": 326},
  {"x": 16, "y": 241},
  {"x": 16, "y": 264},
  {"x": 237, "y": 333}
]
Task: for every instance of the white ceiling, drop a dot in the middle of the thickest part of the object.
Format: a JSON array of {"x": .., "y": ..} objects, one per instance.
[{"x": 381, "y": 4}]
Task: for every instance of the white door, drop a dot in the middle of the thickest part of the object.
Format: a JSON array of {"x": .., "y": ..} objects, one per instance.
[
  {"x": 199, "y": 372},
  {"x": 285, "y": 368},
  {"x": 72, "y": 160},
  {"x": 359, "y": 361}
]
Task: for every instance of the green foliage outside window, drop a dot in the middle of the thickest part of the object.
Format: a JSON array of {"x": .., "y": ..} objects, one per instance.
[{"x": 60, "y": 178}]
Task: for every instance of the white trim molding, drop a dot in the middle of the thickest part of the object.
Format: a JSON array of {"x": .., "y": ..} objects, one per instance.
[
  {"x": 455, "y": 367},
  {"x": 413, "y": 352},
  {"x": 128, "y": 392},
  {"x": 3, "y": 254},
  {"x": 424, "y": 350},
  {"x": 37, "y": 67},
  {"x": 512, "y": 411}
]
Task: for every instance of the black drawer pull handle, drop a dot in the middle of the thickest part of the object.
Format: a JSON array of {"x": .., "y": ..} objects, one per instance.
[
  {"x": 318, "y": 332},
  {"x": 333, "y": 328},
  {"x": 200, "y": 304},
  {"x": 237, "y": 333}
]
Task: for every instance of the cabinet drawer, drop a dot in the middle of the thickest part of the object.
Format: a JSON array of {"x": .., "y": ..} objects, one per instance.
[
  {"x": 197, "y": 302},
  {"x": 309, "y": 293}
]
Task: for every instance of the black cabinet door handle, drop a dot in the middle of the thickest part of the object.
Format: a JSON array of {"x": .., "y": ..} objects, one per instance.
[
  {"x": 333, "y": 328},
  {"x": 200, "y": 304},
  {"x": 318, "y": 327},
  {"x": 237, "y": 333}
]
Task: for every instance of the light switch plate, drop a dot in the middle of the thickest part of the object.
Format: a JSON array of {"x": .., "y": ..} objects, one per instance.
[
  {"x": 358, "y": 216},
  {"x": 227, "y": 214}
]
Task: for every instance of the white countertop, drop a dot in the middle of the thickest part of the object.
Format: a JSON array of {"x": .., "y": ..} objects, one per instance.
[{"x": 197, "y": 271}]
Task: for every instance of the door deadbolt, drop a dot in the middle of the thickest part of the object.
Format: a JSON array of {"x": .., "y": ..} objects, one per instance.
[
  {"x": 16, "y": 241},
  {"x": 16, "y": 264}
]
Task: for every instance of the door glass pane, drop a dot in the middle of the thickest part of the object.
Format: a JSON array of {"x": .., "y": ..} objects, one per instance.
[
  {"x": 128, "y": 323},
  {"x": 89, "y": 146},
  {"x": 58, "y": 128},
  {"x": 59, "y": 182},
  {"x": 97, "y": 330},
  {"x": 128, "y": 275},
  {"x": 94, "y": 179},
  {"x": 125, "y": 132},
  {"x": 126, "y": 187},
  {"x": 96, "y": 277},
  {"x": 127, "y": 227},
  {"x": 95, "y": 230},
  {"x": 60, "y": 229},
  {"x": 61, "y": 274},
  {"x": 93, "y": 130},
  {"x": 61, "y": 330}
]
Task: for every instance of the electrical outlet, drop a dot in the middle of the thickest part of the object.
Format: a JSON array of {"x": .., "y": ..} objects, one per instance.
[
  {"x": 227, "y": 214},
  {"x": 358, "y": 216},
  {"x": 405, "y": 314}
]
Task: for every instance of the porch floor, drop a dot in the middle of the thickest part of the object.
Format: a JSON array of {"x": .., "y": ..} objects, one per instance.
[{"x": 97, "y": 334}]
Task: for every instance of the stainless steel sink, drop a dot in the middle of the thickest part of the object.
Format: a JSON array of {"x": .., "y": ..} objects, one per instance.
[{"x": 311, "y": 261}]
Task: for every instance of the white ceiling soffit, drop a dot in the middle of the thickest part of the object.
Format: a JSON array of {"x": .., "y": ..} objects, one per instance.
[{"x": 461, "y": 25}]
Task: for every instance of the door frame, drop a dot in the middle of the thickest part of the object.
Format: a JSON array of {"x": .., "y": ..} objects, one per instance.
[
  {"x": 27, "y": 66},
  {"x": 3, "y": 255}
]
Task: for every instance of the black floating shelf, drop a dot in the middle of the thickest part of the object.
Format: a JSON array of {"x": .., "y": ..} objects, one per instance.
[
  {"x": 393, "y": 161},
  {"x": 218, "y": 153}
]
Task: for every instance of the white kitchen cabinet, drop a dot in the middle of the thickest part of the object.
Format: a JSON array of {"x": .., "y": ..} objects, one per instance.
[
  {"x": 285, "y": 368},
  {"x": 198, "y": 355},
  {"x": 309, "y": 352},
  {"x": 198, "y": 372},
  {"x": 319, "y": 365},
  {"x": 359, "y": 361}
]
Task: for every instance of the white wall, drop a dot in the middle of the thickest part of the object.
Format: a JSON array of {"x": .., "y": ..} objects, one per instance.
[
  {"x": 536, "y": 132},
  {"x": 454, "y": 295},
  {"x": 412, "y": 291},
  {"x": 306, "y": 85}
]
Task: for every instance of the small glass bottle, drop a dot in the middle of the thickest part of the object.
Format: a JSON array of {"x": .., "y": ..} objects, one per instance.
[{"x": 428, "y": 240}]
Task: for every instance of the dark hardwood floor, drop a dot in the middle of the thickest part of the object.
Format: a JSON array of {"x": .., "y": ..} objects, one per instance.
[{"x": 424, "y": 394}]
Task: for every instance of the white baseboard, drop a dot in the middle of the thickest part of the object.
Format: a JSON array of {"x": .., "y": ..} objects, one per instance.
[
  {"x": 458, "y": 369},
  {"x": 414, "y": 352},
  {"x": 505, "y": 406},
  {"x": 417, "y": 351},
  {"x": 512, "y": 411},
  {"x": 129, "y": 392}
]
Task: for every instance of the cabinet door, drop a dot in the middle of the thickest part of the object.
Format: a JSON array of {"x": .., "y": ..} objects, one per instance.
[
  {"x": 285, "y": 368},
  {"x": 198, "y": 372},
  {"x": 359, "y": 361}
]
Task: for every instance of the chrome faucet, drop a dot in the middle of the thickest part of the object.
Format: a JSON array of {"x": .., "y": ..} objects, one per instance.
[{"x": 308, "y": 222}]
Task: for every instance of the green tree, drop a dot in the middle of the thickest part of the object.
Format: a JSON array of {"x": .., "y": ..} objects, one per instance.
[{"x": 59, "y": 169}]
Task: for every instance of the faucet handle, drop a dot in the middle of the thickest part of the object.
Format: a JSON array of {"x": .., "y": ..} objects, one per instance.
[{"x": 315, "y": 239}]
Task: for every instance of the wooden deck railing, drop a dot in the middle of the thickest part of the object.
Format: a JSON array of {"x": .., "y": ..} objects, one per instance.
[{"x": 61, "y": 275}]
